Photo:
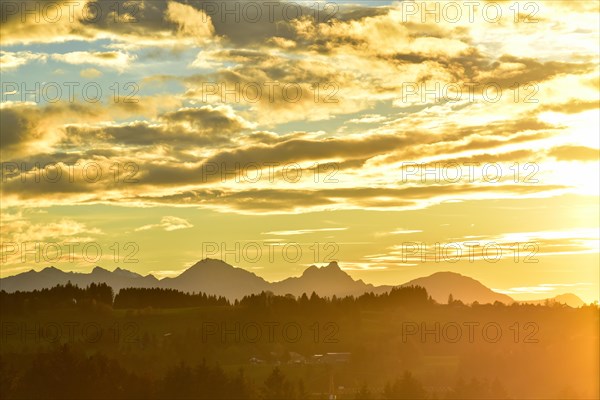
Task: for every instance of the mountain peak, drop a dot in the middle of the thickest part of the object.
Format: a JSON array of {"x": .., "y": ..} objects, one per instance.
[
  {"x": 50, "y": 269},
  {"x": 125, "y": 273},
  {"x": 331, "y": 268},
  {"x": 333, "y": 265},
  {"x": 310, "y": 270},
  {"x": 217, "y": 277},
  {"x": 570, "y": 299},
  {"x": 99, "y": 270},
  {"x": 444, "y": 283},
  {"x": 449, "y": 274},
  {"x": 210, "y": 263}
]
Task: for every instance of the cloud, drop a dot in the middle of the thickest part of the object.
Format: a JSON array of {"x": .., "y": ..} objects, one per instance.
[
  {"x": 19, "y": 229},
  {"x": 168, "y": 224},
  {"x": 19, "y": 27},
  {"x": 208, "y": 120},
  {"x": 28, "y": 129},
  {"x": 364, "y": 53},
  {"x": 90, "y": 73},
  {"x": 167, "y": 273},
  {"x": 135, "y": 24},
  {"x": 574, "y": 153},
  {"x": 525, "y": 290},
  {"x": 368, "y": 119},
  {"x": 191, "y": 22},
  {"x": 178, "y": 131},
  {"x": 401, "y": 231},
  {"x": 574, "y": 106},
  {"x": 540, "y": 288},
  {"x": 273, "y": 201},
  {"x": 359, "y": 266},
  {"x": 527, "y": 247},
  {"x": 109, "y": 59},
  {"x": 302, "y": 231},
  {"x": 10, "y": 61}
]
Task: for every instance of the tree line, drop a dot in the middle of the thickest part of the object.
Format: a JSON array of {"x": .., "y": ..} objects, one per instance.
[{"x": 72, "y": 296}]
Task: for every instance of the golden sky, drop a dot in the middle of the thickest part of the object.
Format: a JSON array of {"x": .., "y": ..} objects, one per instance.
[{"x": 275, "y": 135}]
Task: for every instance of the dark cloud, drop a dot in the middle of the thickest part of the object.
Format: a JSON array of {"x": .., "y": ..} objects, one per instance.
[
  {"x": 239, "y": 23},
  {"x": 183, "y": 128},
  {"x": 208, "y": 120},
  {"x": 27, "y": 129},
  {"x": 275, "y": 201}
]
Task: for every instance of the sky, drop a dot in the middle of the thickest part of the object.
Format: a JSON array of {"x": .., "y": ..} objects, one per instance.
[{"x": 398, "y": 138}]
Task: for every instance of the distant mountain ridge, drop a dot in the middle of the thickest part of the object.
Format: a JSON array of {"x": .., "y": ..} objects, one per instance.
[
  {"x": 569, "y": 299},
  {"x": 216, "y": 277},
  {"x": 443, "y": 284},
  {"x": 48, "y": 277}
]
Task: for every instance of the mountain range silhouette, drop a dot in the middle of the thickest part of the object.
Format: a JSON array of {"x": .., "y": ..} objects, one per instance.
[{"x": 216, "y": 277}]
